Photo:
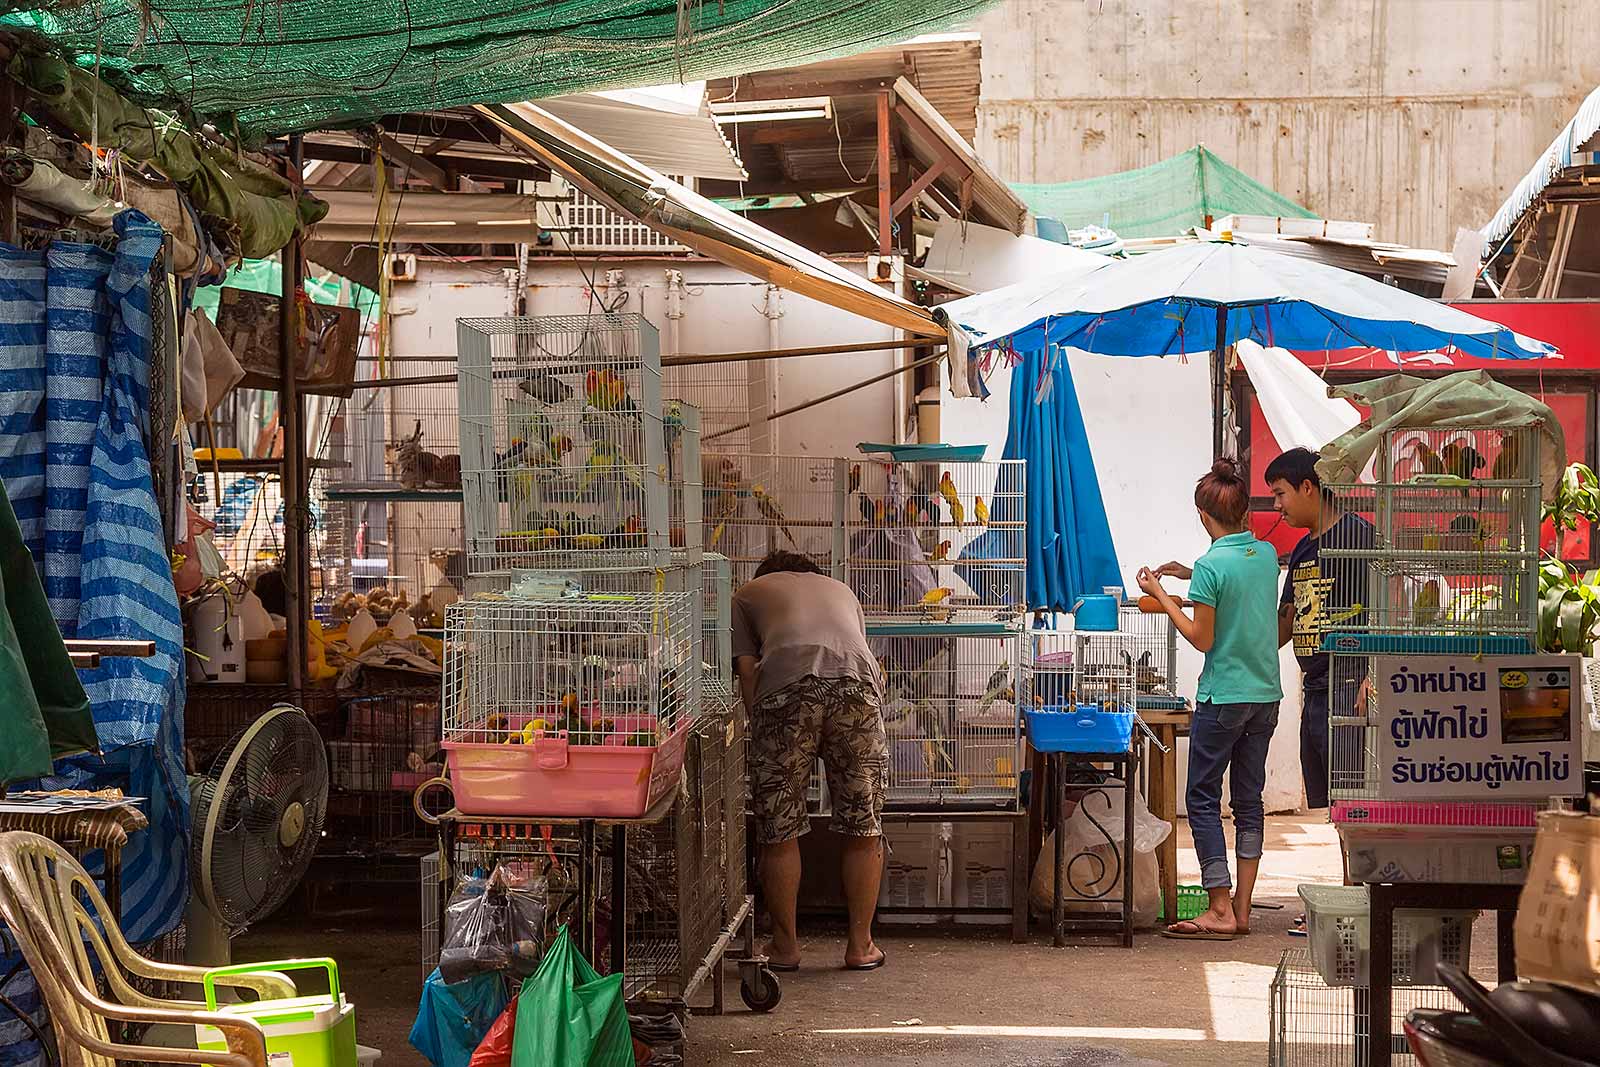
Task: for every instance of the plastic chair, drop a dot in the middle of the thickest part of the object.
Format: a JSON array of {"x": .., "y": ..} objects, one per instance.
[{"x": 57, "y": 914}]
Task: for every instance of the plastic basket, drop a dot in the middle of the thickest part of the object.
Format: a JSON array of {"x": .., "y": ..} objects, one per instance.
[
  {"x": 1339, "y": 927},
  {"x": 1193, "y": 901},
  {"x": 1083, "y": 729},
  {"x": 551, "y": 777}
]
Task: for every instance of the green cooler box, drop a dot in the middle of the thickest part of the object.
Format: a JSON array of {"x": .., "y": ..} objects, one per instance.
[{"x": 313, "y": 1031}]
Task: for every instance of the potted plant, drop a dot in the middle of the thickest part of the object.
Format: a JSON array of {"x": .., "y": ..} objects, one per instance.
[{"x": 1569, "y": 602}]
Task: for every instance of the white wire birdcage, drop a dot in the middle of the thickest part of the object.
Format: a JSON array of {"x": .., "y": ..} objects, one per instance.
[
  {"x": 574, "y": 705},
  {"x": 940, "y": 541},
  {"x": 950, "y": 711},
  {"x": 568, "y": 451},
  {"x": 399, "y": 549},
  {"x": 755, "y": 505},
  {"x": 1152, "y": 644},
  {"x": 716, "y": 653},
  {"x": 1440, "y": 549},
  {"x": 386, "y": 436}
]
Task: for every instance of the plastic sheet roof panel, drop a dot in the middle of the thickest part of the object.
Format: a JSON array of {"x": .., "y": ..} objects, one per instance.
[{"x": 1555, "y": 159}]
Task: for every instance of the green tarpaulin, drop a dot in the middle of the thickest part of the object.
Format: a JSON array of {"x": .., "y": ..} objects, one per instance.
[
  {"x": 46, "y": 710},
  {"x": 278, "y": 66},
  {"x": 1161, "y": 200}
]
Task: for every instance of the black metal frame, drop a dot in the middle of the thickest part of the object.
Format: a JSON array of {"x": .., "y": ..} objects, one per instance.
[{"x": 1090, "y": 773}]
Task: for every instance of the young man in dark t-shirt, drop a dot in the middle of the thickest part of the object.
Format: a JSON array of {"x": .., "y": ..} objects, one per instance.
[{"x": 1318, "y": 597}]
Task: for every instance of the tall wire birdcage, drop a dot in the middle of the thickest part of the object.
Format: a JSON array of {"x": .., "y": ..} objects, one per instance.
[
  {"x": 1151, "y": 642},
  {"x": 950, "y": 712},
  {"x": 716, "y": 654},
  {"x": 568, "y": 451}
]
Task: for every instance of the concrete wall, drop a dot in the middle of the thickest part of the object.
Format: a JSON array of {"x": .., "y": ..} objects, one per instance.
[{"x": 1418, "y": 115}]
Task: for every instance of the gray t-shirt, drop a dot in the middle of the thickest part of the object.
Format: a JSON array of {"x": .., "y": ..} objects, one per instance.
[{"x": 798, "y": 625}]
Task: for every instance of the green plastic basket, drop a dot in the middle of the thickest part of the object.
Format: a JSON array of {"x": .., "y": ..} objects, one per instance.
[{"x": 1193, "y": 900}]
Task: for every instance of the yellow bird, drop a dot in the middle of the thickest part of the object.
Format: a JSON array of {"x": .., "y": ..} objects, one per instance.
[
  {"x": 772, "y": 512},
  {"x": 727, "y": 508},
  {"x": 942, "y": 551},
  {"x": 938, "y": 595},
  {"x": 1507, "y": 463},
  {"x": 589, "y": 540},
  {"x": 980, "y": 511},
  {"x": 1426, "y": 608},
  {"x": 947, "y": 489}
]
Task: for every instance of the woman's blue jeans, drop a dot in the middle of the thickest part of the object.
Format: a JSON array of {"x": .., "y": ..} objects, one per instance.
[{"x": 1225, "y": 736}]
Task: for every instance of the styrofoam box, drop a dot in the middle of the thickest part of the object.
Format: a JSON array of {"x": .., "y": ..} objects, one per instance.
[
  {"x": 1339, "y": 927},
  {"x": 916, "y": 871},
  {"x": 1475, "y": 857},
  {"x": 980, "y": 869}
]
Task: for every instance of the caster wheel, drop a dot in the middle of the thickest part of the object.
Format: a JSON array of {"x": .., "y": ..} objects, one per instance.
[{"x": 762, "y": 993}]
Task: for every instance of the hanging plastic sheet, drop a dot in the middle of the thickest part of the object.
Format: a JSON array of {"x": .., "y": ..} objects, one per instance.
[{"x": 453, "y": 1018}]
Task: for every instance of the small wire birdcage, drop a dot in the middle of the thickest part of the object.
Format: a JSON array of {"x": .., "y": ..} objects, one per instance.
[
  {"x": 397, "y": 436},
  {"x": 612, "y": 669},
  {"x": 386, "y": 745},
  {"x": 1312, "y": 1025},
  {"x": 1070, "y": 668},
  {"x": 1151, "y": 641},
  {"x": 403, "y": 550},
  {"x": 568, "y": 451},
  {"x": 950, "y": 711}
]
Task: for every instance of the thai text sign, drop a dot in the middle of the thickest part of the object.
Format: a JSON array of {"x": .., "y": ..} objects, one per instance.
[{"x": 1486, "y": 729}]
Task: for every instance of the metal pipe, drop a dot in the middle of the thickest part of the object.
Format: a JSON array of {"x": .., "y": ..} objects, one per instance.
[
  {"x": 836, "y": 394},
  {"x": 291, "y": 418},
  {"x": 1219, "y": 385}
]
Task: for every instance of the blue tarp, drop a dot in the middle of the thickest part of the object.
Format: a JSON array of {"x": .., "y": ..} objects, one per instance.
[
  {"x": 1070, "y": 552},
  {"x": 75, "y": 335}
]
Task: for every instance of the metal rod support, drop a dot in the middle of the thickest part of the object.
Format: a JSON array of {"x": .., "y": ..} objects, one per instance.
[
  {"x": 836, "y": 394},
  {"x": 291, "y": 418}
]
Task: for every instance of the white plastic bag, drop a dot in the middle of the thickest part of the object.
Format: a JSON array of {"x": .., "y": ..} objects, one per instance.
[{"x": 1094, "y": 873}]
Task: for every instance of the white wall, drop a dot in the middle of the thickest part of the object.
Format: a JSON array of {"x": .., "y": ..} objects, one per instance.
[{"x": 1149, "y": 425}]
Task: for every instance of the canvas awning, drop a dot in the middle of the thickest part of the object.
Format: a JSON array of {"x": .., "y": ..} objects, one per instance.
[
  {"x": 429, "y": 218},
  {"x": 671, "y": 132},
  {"x": 633, "y": 189}
]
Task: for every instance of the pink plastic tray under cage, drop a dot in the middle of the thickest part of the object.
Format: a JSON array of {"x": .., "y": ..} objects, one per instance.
[
  {"x": 550, "y": 776},
  {"x": 1465, "y": 815}
]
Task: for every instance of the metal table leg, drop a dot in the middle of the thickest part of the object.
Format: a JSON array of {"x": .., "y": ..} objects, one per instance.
[
  {"x": 1380, "y": 977},
  {"x": 619, "y": 898}
]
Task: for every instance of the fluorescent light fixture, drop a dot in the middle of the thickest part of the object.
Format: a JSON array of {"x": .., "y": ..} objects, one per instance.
[{"x": 730, "y": 112}]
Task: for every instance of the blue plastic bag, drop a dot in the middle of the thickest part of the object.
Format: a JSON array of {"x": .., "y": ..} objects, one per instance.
[{"x": 452, "y": 1019}]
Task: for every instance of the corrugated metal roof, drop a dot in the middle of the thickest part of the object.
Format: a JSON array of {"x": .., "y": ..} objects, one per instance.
[{"x": 1557, "y": 158}]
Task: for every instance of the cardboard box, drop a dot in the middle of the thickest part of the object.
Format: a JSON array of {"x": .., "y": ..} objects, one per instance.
[
  {"x": 980, "y": 871},
  {"x": 1475, "y": 857},
  {"x": 1558, "y": 918}
]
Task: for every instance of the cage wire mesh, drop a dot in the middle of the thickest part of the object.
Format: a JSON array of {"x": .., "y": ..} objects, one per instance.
[
  {"x": 725, "y": 394},
  {"x": 755, "y": 505},
  {"x": 1311, "y": 1024},
  {"x": 950, "y": 713},
  {"x": 1070, "y": 668},
  {"x": 608, "y": 668},
  {"x": 1151, "y": 642},
  {"x": 391, "y": 555},
  {"x": 568, "y": 449}
]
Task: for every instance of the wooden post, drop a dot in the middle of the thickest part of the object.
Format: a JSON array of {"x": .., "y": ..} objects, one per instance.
[
  {"x": 885, "y": 192},
  {"x": 291, "y": 419}
]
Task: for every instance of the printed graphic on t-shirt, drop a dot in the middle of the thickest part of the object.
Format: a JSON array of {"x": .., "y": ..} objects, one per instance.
[{"x": 1311, "y": 593}]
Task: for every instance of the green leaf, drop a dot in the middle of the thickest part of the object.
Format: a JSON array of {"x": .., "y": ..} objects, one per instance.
[{"x": 1573, "y": 631}]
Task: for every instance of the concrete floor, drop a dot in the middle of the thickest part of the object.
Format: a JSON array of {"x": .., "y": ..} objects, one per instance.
[{"x": 958, "y": 998}]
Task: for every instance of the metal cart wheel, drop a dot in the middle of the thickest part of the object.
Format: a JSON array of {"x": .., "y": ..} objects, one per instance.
[{"x": 760, "y": 988}]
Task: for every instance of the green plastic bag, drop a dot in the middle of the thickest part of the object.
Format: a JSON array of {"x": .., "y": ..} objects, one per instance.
[{"x": 568, "y": 1016}]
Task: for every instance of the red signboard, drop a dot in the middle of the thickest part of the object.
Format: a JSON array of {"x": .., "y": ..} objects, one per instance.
[{"x": 1573, "y": 326}]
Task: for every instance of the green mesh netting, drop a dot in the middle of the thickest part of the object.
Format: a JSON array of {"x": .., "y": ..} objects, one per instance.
[
  {"x": 284, "y": 65},
  {"x": 1160, "y": 200}
]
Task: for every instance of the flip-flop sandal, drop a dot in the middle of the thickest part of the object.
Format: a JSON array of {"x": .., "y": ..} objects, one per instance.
[
  {"x": 883, "y": 957},
  {"x": 783, "y": 968},
  {"x": 1298, "y": 928},
  {"x": 1199, "y": 933}
]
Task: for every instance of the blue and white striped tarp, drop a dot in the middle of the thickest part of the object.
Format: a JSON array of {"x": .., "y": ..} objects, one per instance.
[{"x": 75, "y": 334}]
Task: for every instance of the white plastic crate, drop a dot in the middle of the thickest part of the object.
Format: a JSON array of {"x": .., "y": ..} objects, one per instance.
[{"x": 1339, "y": 927}]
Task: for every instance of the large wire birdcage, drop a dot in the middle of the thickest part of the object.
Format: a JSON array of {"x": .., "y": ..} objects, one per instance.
[
  {"x": 568, "y": 450},
  {"x": 1310, "y": 1024},
  {"x": 755, "y": 505},
  {"x": 574, "y": 705},
  {"x": 1440, "y": 548},
  {"x": 940, "y": 541},
  {"x": 384, "y": 747},
  {"x": 388, "y": 436},
  {"x": 950, "y": 712}
]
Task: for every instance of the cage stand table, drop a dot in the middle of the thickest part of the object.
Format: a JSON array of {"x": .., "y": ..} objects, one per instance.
[
  {"x": 1096, "y": 924},
  {"x": 1384, "y": 900}
]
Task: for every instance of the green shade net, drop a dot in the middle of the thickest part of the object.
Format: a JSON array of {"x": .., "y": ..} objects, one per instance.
[
  {"x": 1160, "y": 200},
  {"x": 266, "y": 276},
  {"x": 276, "y": 66}
]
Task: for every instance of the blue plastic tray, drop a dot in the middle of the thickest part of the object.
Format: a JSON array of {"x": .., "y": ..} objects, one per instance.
[
  {"x": 914, "y": 453},
  {"x": 1426, "y": 644},
  {"x": 1084, "y": 729}
]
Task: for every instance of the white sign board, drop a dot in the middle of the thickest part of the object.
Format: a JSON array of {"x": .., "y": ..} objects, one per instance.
[{"x": 1483, "y": 729}]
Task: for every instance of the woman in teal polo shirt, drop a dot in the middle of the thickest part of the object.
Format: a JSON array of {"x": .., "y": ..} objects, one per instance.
[{"x": 1234, "y": 587}]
